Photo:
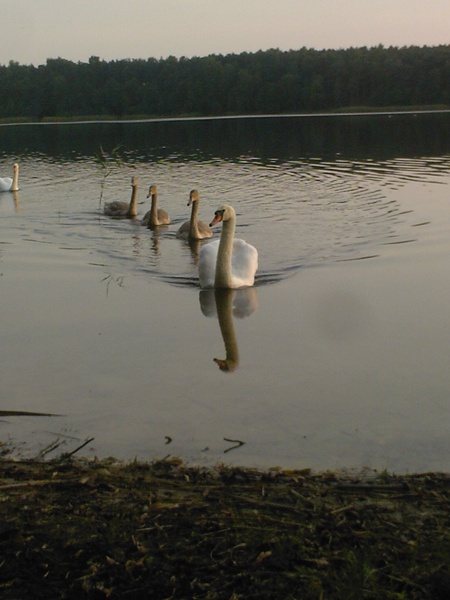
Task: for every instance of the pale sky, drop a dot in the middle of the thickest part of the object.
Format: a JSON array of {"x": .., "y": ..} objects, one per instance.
[{"x": 34, "y": 30}]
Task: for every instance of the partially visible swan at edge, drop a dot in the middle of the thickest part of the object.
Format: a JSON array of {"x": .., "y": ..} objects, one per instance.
[
  {"x": 155, "y": 216},
  {"x": 194, "y": 229},
  {"x": 10, "y": 184},
  {"x": 124, "y": 210},
  {"x": 227, "y": 263}
]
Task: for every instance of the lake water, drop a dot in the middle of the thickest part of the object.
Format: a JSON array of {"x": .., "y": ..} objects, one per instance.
[{"x": 341, "y": 351}]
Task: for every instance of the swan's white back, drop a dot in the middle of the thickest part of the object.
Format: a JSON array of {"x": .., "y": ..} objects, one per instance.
[
  {"x": 5, "y": 184},
  {"x": 244, "y": 263}
]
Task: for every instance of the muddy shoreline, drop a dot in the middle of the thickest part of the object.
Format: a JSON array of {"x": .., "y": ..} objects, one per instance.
[{"x": 104, "y": 529}]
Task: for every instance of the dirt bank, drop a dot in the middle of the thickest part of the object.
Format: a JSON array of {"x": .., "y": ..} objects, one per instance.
[{"x": 102, "y": 529}]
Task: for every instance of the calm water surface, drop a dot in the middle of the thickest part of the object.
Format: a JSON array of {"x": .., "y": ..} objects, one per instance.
[{"x": 339, "y": 356}]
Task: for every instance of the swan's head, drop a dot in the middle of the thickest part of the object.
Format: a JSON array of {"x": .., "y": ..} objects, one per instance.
[
  {"x": 224, "y": 213},
  {"x": 16, "y": 167},
  {"x": 134, "y": 181},
  {"x": 151, "y": 191},
  {"x": 193, "y": 197}
]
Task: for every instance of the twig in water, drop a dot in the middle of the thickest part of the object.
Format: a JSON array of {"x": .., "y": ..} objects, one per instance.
[
  {"x": 25, "y": 413},
  {"x": 106, "y": 162},
  {"x": 237, "y": 442},
  {"x": 50, "y": 448},
  {"x": 69, "y": 454}
]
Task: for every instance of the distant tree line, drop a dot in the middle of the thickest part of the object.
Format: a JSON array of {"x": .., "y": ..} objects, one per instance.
[{"x": 264, "y": 82}]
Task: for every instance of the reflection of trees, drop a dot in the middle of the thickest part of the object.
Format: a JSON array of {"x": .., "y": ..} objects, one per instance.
[
  {"x": 226, "y": 304},
  {"x": 377, "y": 137}
]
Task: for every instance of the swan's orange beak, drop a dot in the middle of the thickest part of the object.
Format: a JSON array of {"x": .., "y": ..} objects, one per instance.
[{"x": 218, "y": 216}]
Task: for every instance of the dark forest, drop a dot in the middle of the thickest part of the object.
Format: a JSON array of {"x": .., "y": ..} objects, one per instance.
[{"x": 265, "y": 82}]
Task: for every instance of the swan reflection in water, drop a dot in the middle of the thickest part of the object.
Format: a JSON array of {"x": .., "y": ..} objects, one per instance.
[
  {"x": 16, "y": 201},
  {"x": 6, "y": 205},
  {"x": 226, "y": 304}
]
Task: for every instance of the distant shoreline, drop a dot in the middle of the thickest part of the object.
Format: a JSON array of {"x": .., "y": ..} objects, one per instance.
[{"x": 343, "y": 112}]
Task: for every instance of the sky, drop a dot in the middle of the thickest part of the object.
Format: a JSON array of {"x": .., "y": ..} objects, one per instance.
[{"x": 35, "y": 30}]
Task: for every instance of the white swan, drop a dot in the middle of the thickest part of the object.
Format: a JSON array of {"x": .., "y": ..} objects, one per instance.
[
  {"x": 10, "y": 184},
  {"x": 194, "y": 229},
  {"x": 124, "y": 210},
  {"x": 228, "y": 262},
  {"x": 155, "y": 216}
]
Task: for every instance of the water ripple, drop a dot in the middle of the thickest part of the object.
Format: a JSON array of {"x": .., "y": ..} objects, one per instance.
[{"x": 297, "y": 212}]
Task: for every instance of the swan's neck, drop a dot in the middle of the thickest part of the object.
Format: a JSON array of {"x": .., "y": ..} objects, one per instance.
[
  {"x": 223, "y": 265},
  {"x": 132, "y": 210},
  {"x": 15, "y": 183},
  {"x": 193, "y": 227},
  {"x": 154, "y": 210},
  {"x": 224, "y": 304}
]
